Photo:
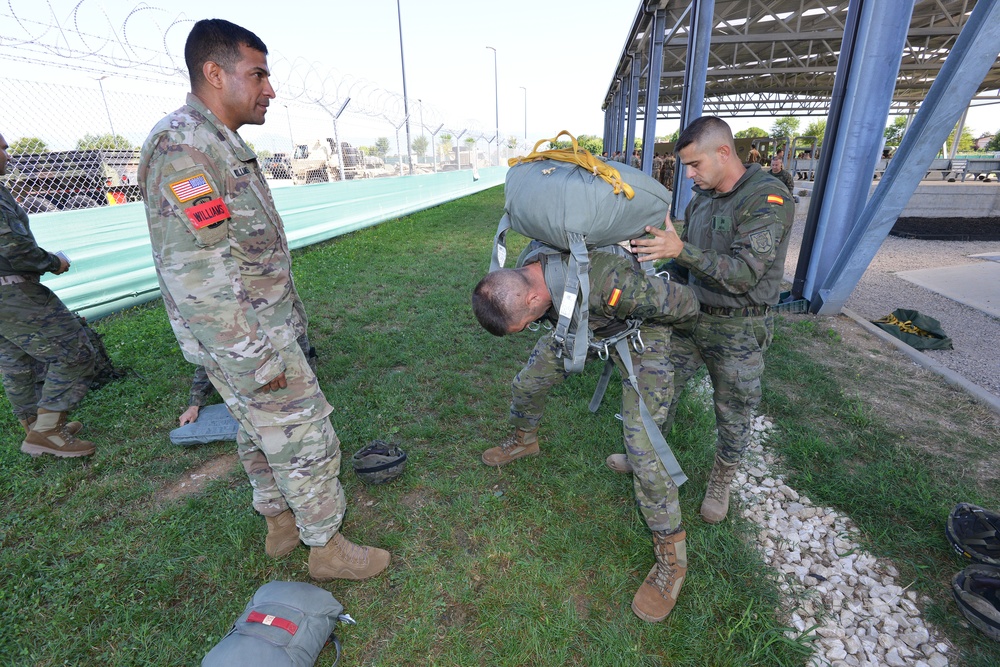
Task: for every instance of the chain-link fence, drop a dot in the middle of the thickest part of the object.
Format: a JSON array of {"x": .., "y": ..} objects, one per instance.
[{"x": 77, "y": 146}]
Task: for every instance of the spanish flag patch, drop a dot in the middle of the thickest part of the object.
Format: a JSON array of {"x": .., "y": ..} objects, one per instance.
[
  {"x": 615, "y": 295},
  {"x": 775, "y": 199}
]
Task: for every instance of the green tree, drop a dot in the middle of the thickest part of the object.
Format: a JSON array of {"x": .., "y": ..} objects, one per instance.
[
  {"x": 894, "y": 131},
  {"x": 104, "y": 142},
  {"x": 420, "y": 145},
  {"x": 26, "y": 145},
  {"x": 817, "y": 129},
  {"x": 511, "y": 142},
  {"x": 446, "y": 144},
  {"x": 592, "y": 143},
  {"x": 994, "y": 144},
  {"x": 751, "y": 132},
  {"x": 382, "y": 147},
  {"x": 785, "y": 127},
  {"x": 263, "y": 153},
  {"x": 965, "y": 142}
]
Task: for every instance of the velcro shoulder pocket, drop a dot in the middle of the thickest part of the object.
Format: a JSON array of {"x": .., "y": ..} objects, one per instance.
[{"x": 201, "y": 204}]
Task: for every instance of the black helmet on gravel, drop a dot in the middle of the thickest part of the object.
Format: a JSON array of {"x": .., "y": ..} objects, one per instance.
[
  {"x": 977, "y": 592},
  {"x": 975, "y": 533},
  {"x": 379, "y": 462}
]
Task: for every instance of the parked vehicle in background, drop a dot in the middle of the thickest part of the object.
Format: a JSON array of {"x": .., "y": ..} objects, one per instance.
[
  {"x": 276, "y": 166},
  {"x": 65, "y": 180},
  {"x": 319, "y": 162}
]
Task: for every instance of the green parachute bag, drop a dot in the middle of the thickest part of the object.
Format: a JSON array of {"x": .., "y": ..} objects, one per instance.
[{"x": 919, "y": 331}]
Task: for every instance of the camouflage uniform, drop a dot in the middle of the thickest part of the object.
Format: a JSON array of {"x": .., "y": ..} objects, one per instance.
[
  {"x": 46, "y": 358},
  {"x": 734, "y": 251},
  {"x": 667, "y": 173},
  {"x": 224, "y": 269},
  {"x": 660, "y": 304},
  {"x": 785, "y": 177}
]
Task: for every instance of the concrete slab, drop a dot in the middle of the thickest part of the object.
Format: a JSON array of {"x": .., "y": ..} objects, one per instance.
[
  {"x": 992, "y": 256},
  {"x": 975, "y": 285}
]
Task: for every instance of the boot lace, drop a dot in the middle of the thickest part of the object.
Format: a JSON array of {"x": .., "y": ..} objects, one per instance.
[{"x": 351, "y": 551}]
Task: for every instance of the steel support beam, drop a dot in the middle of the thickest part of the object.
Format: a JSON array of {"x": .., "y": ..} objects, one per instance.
[
  {"x": 866, "y": 76},
  {"x": 652, "y": 101},
  {"x": 970, "y": 60},
  {"x": 693, "y": 96}
]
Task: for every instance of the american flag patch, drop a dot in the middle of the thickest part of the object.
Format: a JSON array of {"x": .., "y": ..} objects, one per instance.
[
  {"x": 775, "y": 199},
  {"x": 190, "y": 188},
  {"x": 615, "y": 295}
]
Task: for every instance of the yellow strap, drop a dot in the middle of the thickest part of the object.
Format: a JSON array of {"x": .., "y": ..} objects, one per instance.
[
  {"x": 905, "y": 327},
  {"x": 581, "y": 157}
]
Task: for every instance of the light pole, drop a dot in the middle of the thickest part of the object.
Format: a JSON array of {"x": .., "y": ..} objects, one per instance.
[
  {"x": 525, "y": 116},
  {"x": 114, "y": 139},
  {"x": 496, "y": 97},
  {"x": 421, "y": 104},
  {"x": 406, "y": 110}
]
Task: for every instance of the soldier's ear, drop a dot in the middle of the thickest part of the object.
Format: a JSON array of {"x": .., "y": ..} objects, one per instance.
[{"x": 212, "y": 72}]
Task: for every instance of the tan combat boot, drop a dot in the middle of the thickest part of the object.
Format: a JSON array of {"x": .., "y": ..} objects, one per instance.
[
  {"x": 342, "y": 559},
  {"x": 716, "y": 504},
  {"x": 657, "y": 596},
  {"x": 618, "y": 463},
  {"x": 522, "y": 443},
  {"x": 72, "y": 427},
  {"x": 50, "y": 435},
  {"x": 282, "y": 534}
]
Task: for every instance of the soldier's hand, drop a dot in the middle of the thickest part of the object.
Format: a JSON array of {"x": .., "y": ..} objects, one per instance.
[
  {"x": 277, "y": 383},
  {"x": 63, "y": 265},
  {"x": 190, "y": 415},
  {"x": 665, "y": 244}
]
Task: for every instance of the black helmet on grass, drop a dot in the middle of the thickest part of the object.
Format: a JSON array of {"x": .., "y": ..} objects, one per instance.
[
  {"x": 975, "y": 533},
  {"x": 977, "y": 592},
  {"x": 379, "y": 462}
]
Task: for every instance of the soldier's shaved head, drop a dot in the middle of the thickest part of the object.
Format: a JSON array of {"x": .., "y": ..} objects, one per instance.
[
  {"x": 496, "y": 300},
  {"x": 708, "y": 132}
]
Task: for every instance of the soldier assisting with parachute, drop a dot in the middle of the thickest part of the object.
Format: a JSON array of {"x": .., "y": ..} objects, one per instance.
[{"x": 581, "y": 208}]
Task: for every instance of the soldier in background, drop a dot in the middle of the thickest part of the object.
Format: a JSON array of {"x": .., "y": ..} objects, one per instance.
[
  {"x": 782, "y": 174},
  {"x": 658, "y": 167},
  {"x": 753, "y": 157},
  {"x": 224, "y": 269},
  {"x": 46, "y": 357},
  {"x": 667, "y": 173}
]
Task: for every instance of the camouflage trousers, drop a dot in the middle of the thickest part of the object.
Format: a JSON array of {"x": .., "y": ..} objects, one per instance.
[
  {"x": 46, "y": 358},
  {"x": 732, "y": 349},
  {"x": 655, "y": 492},
  {"x": 292, "y": 466}
]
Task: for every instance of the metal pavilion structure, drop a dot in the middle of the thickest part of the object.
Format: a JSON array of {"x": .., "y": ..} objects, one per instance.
[{"x": 853, "y": 61}]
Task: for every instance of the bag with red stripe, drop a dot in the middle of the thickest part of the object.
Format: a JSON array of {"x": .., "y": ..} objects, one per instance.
[{"x": 286, "y": 624}]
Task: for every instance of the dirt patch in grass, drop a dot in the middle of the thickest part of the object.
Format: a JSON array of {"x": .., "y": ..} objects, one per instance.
[
  {"x": 195, "y": 480},
  {"x": 885, "y": 385}
]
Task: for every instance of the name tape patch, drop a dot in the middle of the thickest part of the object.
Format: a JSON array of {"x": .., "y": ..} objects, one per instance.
[
  {"x": 775, "y": 199},
  {"x": 208, "y": 213},
  {"x": 190, "y": 188}
]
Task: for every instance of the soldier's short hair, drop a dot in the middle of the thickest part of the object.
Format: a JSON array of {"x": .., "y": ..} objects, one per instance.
[
  {"x": 706, "y": 131},
  {"x": 494, "y": 300},
  {"x": 219, "y": 41}
]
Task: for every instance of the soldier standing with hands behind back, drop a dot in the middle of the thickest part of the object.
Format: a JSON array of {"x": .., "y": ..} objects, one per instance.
[
  {"x": 45, "y": 355},
  {"x": 224, "y": 269}
]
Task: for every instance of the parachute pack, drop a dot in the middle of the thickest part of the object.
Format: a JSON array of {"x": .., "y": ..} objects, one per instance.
[{"x": 571, "y": 203}]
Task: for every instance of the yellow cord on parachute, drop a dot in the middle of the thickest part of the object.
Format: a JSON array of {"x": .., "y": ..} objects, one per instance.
[
  {"x": 905, "y": 327},
  {"x": 578, "y": 156}
]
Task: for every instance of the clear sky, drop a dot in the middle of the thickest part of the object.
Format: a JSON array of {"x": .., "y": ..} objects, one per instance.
[{"x": 561, "y": 53}]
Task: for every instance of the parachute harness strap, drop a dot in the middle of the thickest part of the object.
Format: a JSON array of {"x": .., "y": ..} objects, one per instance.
[{"x": 581, "y": 157}]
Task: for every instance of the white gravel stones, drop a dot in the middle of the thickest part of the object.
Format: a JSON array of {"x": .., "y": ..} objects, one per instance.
[{"x": 848, "y": 602}]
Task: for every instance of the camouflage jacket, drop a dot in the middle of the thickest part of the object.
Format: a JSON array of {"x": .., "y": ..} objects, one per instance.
[
  {"x": 620, "y": 291},
  {"x": 785, "y": 177},
  {"x": 19, "y": 254},
  {"x": 222, "y": 259},
  {"x": 735, "y": 242}
]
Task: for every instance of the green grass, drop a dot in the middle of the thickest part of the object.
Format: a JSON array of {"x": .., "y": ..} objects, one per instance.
[{"x": 535, "y": 563}]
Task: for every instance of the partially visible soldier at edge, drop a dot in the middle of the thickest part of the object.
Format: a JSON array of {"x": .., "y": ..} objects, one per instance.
[
  {"x": 782, "y": 174},
  {"x": 224, "y": 269},
  {"x": 46, "y": 358},
  {"x": 733, "y": 248}
]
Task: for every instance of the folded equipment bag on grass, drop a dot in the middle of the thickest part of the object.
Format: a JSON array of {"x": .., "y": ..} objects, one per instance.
[
  {"x": 286, "y": 624},
  {"x": 919, "y": 331}
]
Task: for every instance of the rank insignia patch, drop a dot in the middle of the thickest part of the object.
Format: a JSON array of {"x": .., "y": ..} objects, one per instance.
[
  {"x": 615, "y": 295},
  {"x": 190, "y": 188},
  {"x": 775, "y": 199}
]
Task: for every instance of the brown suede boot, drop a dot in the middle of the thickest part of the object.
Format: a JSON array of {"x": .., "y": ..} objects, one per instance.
[
  {"x": 716, "y": 504},
  {"x": 618, "y": 463},
  {"x": 72, "y": 427},
  {"x": 50, "y": 435},
  {"x": 342, "y": 559},
  {"x": 282, "y": 534},
  {"x": 522, "y": 443},
  {"x": 657, "y": 596}
]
